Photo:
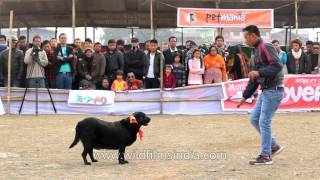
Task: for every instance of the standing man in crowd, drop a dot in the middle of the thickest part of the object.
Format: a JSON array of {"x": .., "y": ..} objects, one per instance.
[
  {"x": 100, "y": 60},
  {"x": 219, "y": 42},
  {"x": 53, "y": 43},
  {"x": 120, "y": 45},
  {"x": 78, "y": 53},
  {"x": 17, "y": 58},
  {"x": 50, "y": 71},
  {"x": 3, "y": 43},
  {"x": 23, "y": 45},
  {"x": 171, "y": 50},
  {"x": 268, "y": 74},
  {"x": 154, "y": 60},
  {"x": 87, "y": 43},
  {"x": 64, "y": 61},
  {"x": 136, "y": 60},
  {"x": 114, "y": 61},
  {"x": 308, "y": 50},
  {"x": 315, "y": 58},
  {"x": 36, "y": 59}
]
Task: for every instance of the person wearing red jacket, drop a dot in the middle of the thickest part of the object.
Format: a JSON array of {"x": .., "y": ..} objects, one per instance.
[{"x": 169, "y": 81}]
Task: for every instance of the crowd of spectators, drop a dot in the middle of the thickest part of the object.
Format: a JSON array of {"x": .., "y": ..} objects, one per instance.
[{"x": 118, "y": 66}]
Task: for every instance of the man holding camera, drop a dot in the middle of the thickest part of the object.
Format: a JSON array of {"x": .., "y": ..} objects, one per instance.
[{"x": 36, "y": 59}]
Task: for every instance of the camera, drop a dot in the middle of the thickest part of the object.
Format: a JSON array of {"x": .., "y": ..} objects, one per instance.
[{"x": 36, "y": 50}]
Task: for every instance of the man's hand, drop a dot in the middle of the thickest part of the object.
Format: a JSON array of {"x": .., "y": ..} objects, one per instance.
[
  {"x": 253, "y": 75},
  {"x": 243, "y": 100},
  {"x": 88, "y": 77}
]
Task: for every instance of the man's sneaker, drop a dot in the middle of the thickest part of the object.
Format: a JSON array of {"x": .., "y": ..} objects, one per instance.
[
  {"x": 261, "y": 160},
  {"x": 276, "y": 149}
]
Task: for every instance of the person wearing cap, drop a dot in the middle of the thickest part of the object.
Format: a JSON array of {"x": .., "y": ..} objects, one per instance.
[
  {"x": 89, "y": 69},
  {"x": 16, "y": 65},
  {"x": 136, "y": 60},
  {"x": 64, "y": 61}
]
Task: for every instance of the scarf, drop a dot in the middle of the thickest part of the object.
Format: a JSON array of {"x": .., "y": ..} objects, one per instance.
[{"x": 296, "y": 55}]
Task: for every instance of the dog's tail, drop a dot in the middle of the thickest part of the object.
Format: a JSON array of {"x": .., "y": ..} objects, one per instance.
[{"x": 75, "y": 141}]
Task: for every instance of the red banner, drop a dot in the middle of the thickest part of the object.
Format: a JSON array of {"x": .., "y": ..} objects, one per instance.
[
  {"x": 201, "y": 17},
  {"x": 302, "y": 92}
]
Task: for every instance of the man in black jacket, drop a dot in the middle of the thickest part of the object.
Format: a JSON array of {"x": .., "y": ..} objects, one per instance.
[
  {"x": 171, "y": 50},
  {"x": 268, "y": 74},
  {"x": 154, "y": 60},
  {"x": 114, "y": 60},
  {"x": 136, "y": 60},
  {"x": 64, "y": 61}
]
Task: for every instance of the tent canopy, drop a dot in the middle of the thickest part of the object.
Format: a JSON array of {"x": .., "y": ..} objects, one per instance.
[{"x": 136, "y": 13}]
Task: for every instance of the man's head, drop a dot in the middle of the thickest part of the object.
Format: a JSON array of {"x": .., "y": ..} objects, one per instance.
[
  {"x": 105, "y": 83},
  {"x": 22, "y": 43},
  {"x": 316, "y": 48},
  {"x": 120, "y": 44},
  {"x": 135, "y": 43},
  {"x": 112, "y": 45},
  {"x": 276, "y": 45},
  {"x": 46, "y": 46},
  {"x": 87, "y": 43},
  {"x": 88, "y": 52},
  {"x": 63, "y": 39},
  {"x": 147, "y": 45},
  {"x": 309, "y": 45},
  {"x": 14, "y": 42},
  {"x": 97, "y": 47},
  {"x": 77, "y": 43},
  {"x": 251, "y": 35},
  {"x": 296, "y": 45},
  {"x": 219, "y": 41},
  {"x": 53, "y": 43},
  {"x": 153, "y": 45},
  {"x": 173, "y": 42},
  {"x": 36, "y": 41},
  {"x": 188, "y": 46},
  {"x": 3, "y": 39}
]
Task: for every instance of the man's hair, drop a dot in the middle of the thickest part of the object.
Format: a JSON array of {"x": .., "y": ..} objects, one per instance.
[
  {"x": 53, "y": 39},
  {"x": 76, "y": 39},
  {"x": 252, "y": 29},
  {"x": 111, "y": 41},
  {"x": 275, "y": 41},
  {"x": 88, "y": 40},
  {"x": 22, "y": 38},
  {"x": 172, "y": 37},
  {"x": 120, "y": 42},
  {"x": 147, "y": 41},
  {"x": 316, "y": 43},
  {"x": 134, "y": 40},
  {"x": 192, "y": 43},
  {"x": 296, "y": 41},
  {"x": 154, "y": 41},
  {"x": 309, "y": 43},
  {"x": 219, "y": 37},
  {"x": 45, "y": 42},
  {"x": 3, "y": 37},
  {"x": 97, "y": 43},
  {"x": 62, "y": 34},
  {"x": 36, "y": 37}
]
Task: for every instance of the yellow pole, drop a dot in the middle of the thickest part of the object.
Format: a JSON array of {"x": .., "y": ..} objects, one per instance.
[{"x": 9, "y": 62}]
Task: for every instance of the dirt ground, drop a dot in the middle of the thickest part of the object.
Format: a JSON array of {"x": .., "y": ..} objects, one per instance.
[{"x": 37, "y": 148}]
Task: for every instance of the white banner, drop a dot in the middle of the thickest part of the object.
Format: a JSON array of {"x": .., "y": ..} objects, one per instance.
[
  {"x": 90, "y": 97},
  {"x": 2, "y": 112}
]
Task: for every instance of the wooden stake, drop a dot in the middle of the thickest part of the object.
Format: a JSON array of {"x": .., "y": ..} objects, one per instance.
[
  {"x": 296, "y": 15},
  {"x": 151, "y": 19},
  {"x": 9, "y": 62},
  {"x": 73, "y": 20}
]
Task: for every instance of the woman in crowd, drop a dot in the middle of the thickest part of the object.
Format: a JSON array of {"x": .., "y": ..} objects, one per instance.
[
  {"x": 215, "y": 68},
  {"x": 238, "y": 64},
  {"x": 119, "y": 84},
  {"x": 169, "y": 81},
  {"x": 105, "y": 85},
  {"x": 298, "y": 62},
  {"x": 196, "y": 69},
  {"x": 179, "y": 70}
]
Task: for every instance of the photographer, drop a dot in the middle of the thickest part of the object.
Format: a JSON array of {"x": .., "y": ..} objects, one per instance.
[{"x": 36, "y": 59}]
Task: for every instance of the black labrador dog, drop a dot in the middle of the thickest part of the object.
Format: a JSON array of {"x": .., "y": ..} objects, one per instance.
[{"x": 97, "y": 134}]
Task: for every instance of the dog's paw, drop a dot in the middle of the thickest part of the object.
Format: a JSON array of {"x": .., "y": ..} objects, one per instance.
[
  {"x": 123, "y": 162},
  {"x": 87, "y": 163},
  {"x": 94, "y": 160}
]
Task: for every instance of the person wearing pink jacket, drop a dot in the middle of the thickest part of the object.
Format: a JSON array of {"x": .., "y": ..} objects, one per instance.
[{"x": 196, "y": 69}]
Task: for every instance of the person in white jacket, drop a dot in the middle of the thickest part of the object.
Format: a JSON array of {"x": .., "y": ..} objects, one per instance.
[{"x": 36, "y": 59}]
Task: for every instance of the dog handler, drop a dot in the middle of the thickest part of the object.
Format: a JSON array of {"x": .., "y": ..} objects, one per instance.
[{"x": 268, "y": 74}]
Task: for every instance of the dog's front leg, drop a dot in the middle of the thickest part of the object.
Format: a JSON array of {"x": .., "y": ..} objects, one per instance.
[{"x": 121, "y": 158}]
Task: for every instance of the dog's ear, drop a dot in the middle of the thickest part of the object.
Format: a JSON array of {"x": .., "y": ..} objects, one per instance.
[{"x": 132, "y": 119}]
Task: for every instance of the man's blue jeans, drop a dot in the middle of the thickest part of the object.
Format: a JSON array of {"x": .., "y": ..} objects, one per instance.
[
  {"x": 64, "y": 80},
  {"x": 262, "y": 114}
]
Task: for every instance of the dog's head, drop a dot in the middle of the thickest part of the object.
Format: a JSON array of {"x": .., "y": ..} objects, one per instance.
[{"x": 137, "y": 119}]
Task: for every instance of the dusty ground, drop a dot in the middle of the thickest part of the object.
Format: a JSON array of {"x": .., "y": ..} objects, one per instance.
[{"x": 37, "y": 148}]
